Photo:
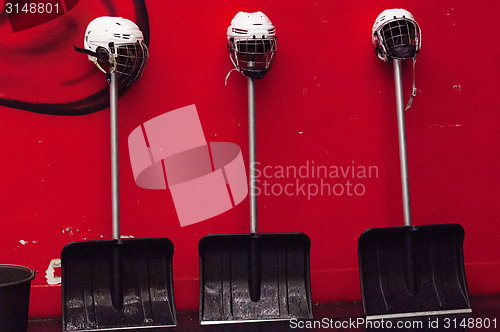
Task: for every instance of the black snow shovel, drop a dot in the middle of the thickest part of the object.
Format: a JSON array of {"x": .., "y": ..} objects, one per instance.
[
  {"x": 118, "y": 283},
  {"x": 257, "y": 276},
  {"x": 412, "y": 271}
]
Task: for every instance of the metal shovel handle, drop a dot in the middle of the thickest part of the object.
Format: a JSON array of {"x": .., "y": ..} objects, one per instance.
[
  {"x": 252, "y": 156},
  {"x": 116, "y": 262},
  {"x": 402, "y": 141},
  {"x": 254, "y": 262},
  {"x": 410, "y": 271},
  {"x": 115, "y": 198}
]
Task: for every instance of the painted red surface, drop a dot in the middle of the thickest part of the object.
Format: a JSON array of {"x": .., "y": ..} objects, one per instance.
[{"x": 328, "y": 101}]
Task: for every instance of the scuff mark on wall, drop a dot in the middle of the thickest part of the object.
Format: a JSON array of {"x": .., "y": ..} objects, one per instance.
[
  {"x": 68, "y": 231},
  {"x": 24, "y": 242},
  {"x": 445, "y": 126},
  {"x": 50, "y": 273}
]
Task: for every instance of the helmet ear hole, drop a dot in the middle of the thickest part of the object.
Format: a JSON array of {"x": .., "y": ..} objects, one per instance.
[{"x": 102, "y": 53}]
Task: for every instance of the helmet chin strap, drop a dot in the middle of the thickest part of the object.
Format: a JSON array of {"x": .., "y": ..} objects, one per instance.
[
  {"x": 112, "y": 61},
  {"x": 227, "y": 76},
  {"x": 414, "y": 89}
]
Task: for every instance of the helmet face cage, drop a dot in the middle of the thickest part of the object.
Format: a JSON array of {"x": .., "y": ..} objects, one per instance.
[
  {"x": 130, "y": 61},
  {"x": 397, "y": 39},
  {"x": 253, "y": 57},
  {"x": 396, "y": 35}
]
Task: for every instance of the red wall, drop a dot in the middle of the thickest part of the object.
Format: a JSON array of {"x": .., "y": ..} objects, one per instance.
[{"x": 327, "y": 100}]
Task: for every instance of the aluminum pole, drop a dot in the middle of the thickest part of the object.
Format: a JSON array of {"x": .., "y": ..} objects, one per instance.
[
  {"x": 252, "y": 156},
  {"x": 113, "y": 101},
  {"x": 402, "y": 142}
]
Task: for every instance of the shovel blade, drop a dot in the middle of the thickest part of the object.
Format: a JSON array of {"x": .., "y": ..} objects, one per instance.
[
  {"x": 285, "y": 286},
  {"x": 413, "y": 270},
  {"x": 137, "y": 273}
]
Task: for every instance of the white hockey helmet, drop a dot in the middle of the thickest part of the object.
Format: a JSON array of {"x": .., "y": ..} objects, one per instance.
[
  {"x": 116, "y": 44},
  {"x": 396, "y": 35},
  {"x": 252, "y": 43}
]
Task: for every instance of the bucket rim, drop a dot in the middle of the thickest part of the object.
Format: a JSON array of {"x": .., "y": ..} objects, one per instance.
[{"x": 18, "y": 267}]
